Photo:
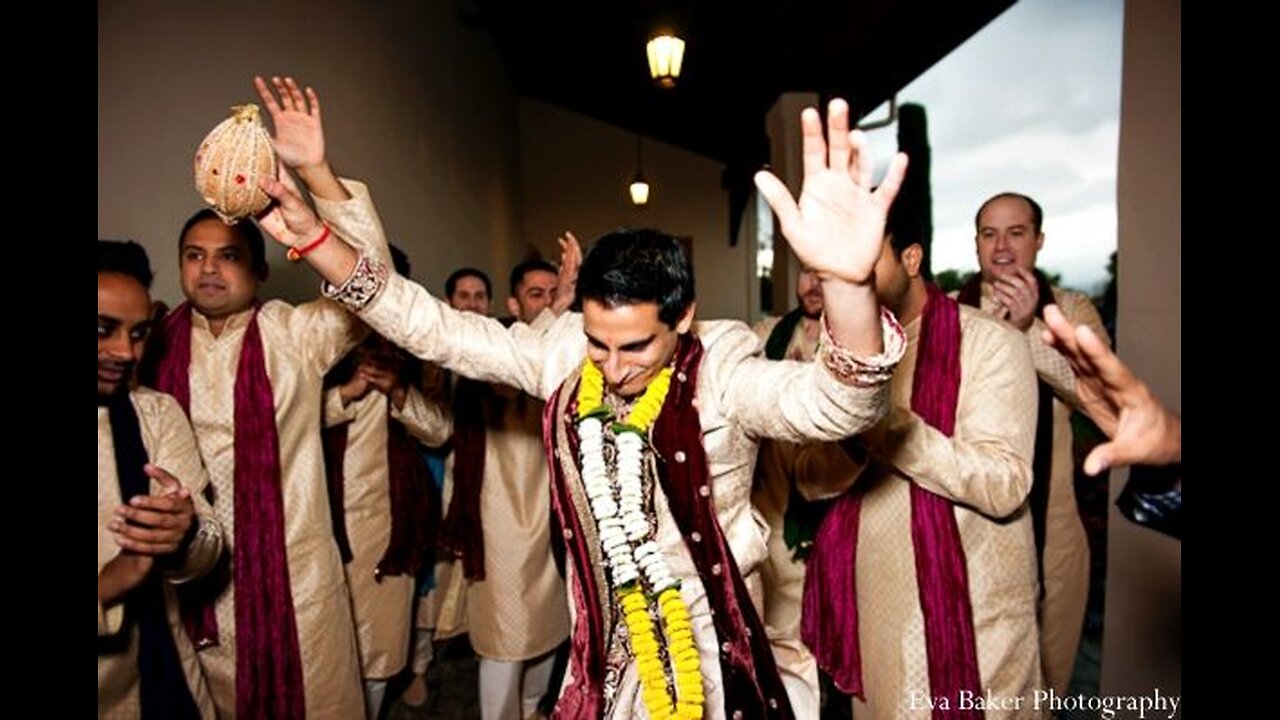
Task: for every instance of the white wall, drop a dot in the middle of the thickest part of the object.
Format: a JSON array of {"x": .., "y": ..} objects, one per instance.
[
  {"x": 414, "y": 103},
  {"x": 574, "y": 173}
]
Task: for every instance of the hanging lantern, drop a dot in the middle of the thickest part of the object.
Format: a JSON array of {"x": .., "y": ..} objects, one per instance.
[
  {"x": 230, "y": 161},
  {"x": 639, "y": 190},
  {"x": 666, "y": 53}
]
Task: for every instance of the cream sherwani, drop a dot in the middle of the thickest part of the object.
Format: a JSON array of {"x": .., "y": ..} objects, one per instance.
[
  {"x": 741, "y": 399},
  {"x": 518, "y": 612},
  {"x": 985, "y": 469},
  {"x": 300, "y": 343},
  {"x": 781, "y": 574},
  {"x": 167, "y": 437},
  {"x": 1066, "y": 548},
  {"x": 383, "y": 608}
]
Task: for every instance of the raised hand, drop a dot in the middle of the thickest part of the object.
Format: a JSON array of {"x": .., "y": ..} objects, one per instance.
[
  {"x": 299, "y": 135},
  {"x": 567, "y": 280},
  {"x": 837, "y": 227},
  {"x": 290, "y": 220},
  {"x": 1142, "y": 430}
]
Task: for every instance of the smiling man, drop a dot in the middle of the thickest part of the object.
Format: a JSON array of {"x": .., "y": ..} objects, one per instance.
[
  {"x": 154, "y": 529},
  {"x": 1009, "y": 237},
  {"x": 250, "y": 375},
  {"x": 655, "y": 506}
]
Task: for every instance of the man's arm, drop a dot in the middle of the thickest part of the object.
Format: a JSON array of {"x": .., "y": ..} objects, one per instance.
[
  {"x": 321, "y": 330},
  {"x": 986, "y": 463},
  {"x": 174, "y": 524},
  {"x": 837, "y": 227},
  {"x": 796, "y": 401},
  {"x": 1142, "y": 430},
  {"x": 1052, "y": 366},
  {"x": 428, "y": 420}
]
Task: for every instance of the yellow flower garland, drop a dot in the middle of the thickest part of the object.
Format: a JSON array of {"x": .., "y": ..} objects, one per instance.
[{"x": 687, "y": 701}]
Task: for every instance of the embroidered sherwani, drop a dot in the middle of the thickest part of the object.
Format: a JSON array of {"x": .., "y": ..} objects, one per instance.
[
  {"x": 170, "y": 445},
  {"x": 300, "y": 343},
  {"x": 518, "y": 611},
  {"x": 984, "y": 468},
  {"x": 741, "y": 399},
  {"x": 1065, "y": 561},
  {"x": 383, "y": 608}
]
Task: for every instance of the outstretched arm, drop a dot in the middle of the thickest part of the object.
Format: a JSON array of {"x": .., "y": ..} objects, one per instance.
[
  {"x": 299, "y": 138},
  {"x": 837, "y": 227},
  {"x": 1142, "y": 430}
]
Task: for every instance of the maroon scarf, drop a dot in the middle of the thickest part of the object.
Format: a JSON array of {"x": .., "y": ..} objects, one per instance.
[
  {"x": 415, "y": 514},
  {"x": 268, "y": 662},
  {"x": 462, "y": 534},
  {"x": 750, "y": 678},
  {"x": 829, "y": 625}
]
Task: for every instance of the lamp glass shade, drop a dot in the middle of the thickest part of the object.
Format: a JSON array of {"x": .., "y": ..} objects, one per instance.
[
  {"x": 639, "y": 191},
  {"x": 666, "y": 55}
]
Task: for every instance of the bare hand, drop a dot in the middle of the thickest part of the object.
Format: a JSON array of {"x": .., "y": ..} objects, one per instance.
[
  {"x": 354, "y": 389},
  {"x": 1142, "y": 430},
  {"x": 838, "y": 226},
  {"x": 299, "y": 138},
  {"x": 567, "y": 280},
  {"x": 1018, "y": 293},
  {"x": 125, "y": 572},
  {"x": 290, "y": 221},
  {"x": 380, "y": 377},
  {"x": 155, "y": 524}
]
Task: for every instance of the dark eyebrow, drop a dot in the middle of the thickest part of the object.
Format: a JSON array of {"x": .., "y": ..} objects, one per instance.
[
  {"x": 108, "y": 319},
  {"x": 638, "y": 344}
]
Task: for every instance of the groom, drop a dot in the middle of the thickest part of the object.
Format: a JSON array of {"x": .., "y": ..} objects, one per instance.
[{"x": 663, "y": 550}]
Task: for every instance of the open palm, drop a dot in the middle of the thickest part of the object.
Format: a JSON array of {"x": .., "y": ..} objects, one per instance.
[
  {"x": 837, "y": 227},
  {"x": 299, "y": 134}
]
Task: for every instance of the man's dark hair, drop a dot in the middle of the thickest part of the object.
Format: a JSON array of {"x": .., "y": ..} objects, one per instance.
[
  {"x": 518, "y": 272},
  {"x": 1037, "y": 214},
  {"x": 125, "y": 257},
  {"x": 904, "y": 226},
  {"x": 247, "y": 230},
  {"x": 628, "y": 267},
  {"x": 451, "y": 283},
  {"x": 399, "y": 261}
]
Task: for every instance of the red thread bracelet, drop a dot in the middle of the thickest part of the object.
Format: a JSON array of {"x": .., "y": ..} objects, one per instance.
[{"x": 297, "y": 253}]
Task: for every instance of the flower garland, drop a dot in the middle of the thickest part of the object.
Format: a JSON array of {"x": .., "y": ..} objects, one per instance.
[{"x": 634, "y": 559}]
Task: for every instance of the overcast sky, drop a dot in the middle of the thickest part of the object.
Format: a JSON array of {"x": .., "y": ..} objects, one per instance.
[{"x": 1030, "y": 104}]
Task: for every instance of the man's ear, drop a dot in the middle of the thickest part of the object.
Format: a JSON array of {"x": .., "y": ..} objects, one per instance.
[
  {"x": 686, "y": 320},
  {"x": 912, "y": 257},
  {"x": 513, "y": 307}
]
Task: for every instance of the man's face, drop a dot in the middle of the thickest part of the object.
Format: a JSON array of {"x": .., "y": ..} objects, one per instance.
[
  {"x": 809, "y": 294},
  {"x": 892, "y": 279},
  {"x": 1007, "y": 238},
  {"x": 536, "y": 291},
  {"x": 629, "y": 343},
  {"x": 124, "y": 321},
  {"x": 217, "y": 269},
  {"x": 470, "y": 295}
]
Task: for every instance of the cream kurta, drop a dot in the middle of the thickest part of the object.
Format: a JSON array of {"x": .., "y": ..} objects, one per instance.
[
  {"x": 300, "y": 345},
  {"x": 985, "y": 469},
  {"x": 741, "y": 398},
  {"x": 782, "y": 576},
  {"x": 383, "y": 609},
  {"x": 167, "y": 437},
  {"x": 1066, "y": 547},
  {"x": 518, "y": 612}
]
